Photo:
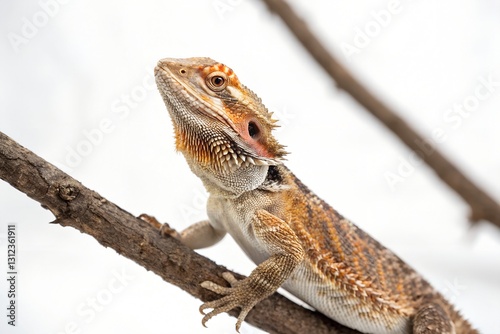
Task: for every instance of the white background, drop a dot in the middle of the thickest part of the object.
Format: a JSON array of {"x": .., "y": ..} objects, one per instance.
[{"x": 78, "y": 66}]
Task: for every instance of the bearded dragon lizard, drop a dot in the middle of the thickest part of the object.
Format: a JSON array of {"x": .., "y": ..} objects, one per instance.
[{"x": 296, "y": 239}]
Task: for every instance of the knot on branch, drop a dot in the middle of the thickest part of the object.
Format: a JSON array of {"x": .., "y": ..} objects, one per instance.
[{"x": 68, "y": 192}]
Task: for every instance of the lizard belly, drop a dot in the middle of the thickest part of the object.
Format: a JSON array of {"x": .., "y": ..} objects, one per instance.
[{"x": 342, "y": 306}]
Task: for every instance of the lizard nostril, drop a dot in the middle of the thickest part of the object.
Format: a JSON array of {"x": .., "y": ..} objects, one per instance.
[{"x": 182, "y": 71}]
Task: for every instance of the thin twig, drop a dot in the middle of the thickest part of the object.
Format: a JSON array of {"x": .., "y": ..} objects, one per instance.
[
  {"x": 482, "y": 205},
  {"x": 77, "y": 206}
]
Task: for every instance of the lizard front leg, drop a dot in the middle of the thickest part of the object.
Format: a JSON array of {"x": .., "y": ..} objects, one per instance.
[
  {"x": 196, "y": 236},
  {"x": 286, "y": 253}
]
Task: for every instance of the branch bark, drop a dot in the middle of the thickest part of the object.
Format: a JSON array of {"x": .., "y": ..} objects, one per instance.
[
  {"x": 77, "y": 206},
  {"x": 482, "y": 205}
]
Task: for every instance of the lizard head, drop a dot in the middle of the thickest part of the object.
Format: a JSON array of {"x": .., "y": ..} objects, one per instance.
[{"x": 219, "y": 123}]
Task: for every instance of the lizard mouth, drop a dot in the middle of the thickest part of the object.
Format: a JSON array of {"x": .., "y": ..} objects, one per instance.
[{"x": 172, "y": 86}]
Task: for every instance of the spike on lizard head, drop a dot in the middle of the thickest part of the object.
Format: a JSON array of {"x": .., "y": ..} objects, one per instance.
[{"x": 217, "y": 120}]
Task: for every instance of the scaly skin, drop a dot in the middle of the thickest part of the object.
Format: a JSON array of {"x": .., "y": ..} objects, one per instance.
[{"x": 296, "y": 239}]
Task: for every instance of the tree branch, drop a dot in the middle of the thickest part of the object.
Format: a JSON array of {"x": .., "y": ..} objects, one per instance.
[
  {"x": 482, "y": 205},
  {"x": 77, "y": 206}
]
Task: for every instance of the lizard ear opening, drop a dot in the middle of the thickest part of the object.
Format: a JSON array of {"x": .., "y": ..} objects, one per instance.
[
  {"x": 253, "y": 130},
  {"x": 259, "y": 139}
]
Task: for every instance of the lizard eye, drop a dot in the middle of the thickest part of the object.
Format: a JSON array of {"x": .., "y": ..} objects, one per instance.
[
  {"x": 217, "y": 81},
  {"x": 253, "y": 129}
]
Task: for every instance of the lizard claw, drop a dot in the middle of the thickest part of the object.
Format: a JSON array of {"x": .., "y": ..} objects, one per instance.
[
  {"x": 165, "y": 229},
  {"x": 238, "y": 295},
  {"x": 223, "y": 305},
  {"x": 150, "y": 220}
]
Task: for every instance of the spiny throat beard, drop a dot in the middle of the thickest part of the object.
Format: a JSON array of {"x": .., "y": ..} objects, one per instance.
[{"x": 209, "y": 147}]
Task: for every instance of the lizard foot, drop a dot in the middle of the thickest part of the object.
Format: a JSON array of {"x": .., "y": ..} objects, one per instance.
[
  {"x": 240, "y": 294},
  {"x": 165, "y": 229}
]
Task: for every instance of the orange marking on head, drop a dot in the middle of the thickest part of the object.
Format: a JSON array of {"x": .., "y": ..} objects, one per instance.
[{"x": 233, "y": 79}]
